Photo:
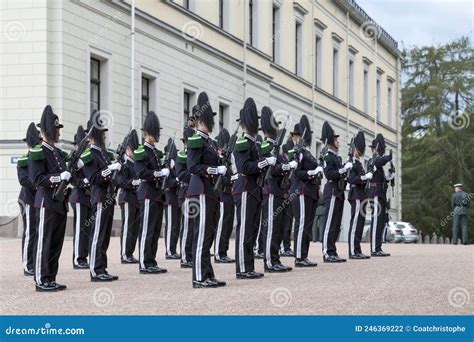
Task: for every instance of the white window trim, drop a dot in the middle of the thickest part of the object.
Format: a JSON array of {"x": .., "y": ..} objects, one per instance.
[
  {"x": 350, "y": 80},
  {"x": 366, "y": 87},
  {"x": 227, "y": 120},
  {"x": 154, "y": 90},
  {"x": 336, "y": 71},
  {"x": 193, "y": 90},
  {"x": 378, "y": 97},
  {"x": 389, "y": 102},
  {"x": 278, "y": 31},
  {"x": 319, "y": 56},
  {"x": 226, "y": 8}
]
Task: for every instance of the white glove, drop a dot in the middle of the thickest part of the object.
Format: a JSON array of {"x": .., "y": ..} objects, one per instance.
[
  {"x": 221, "y": 169},
  {"x": 172, "y": 164},
  {"x": 80, "y": 164},
  {"x": 165, "y": 172},
  {"x": 319, "y": 169},
  {"x": 390, "y": 176},
  {"x": 367, "y": 176},
  {"x": 136, "y": 182},
  {"x": 65, "y": 175},
  {"x": 115, "y": 166},
  {"x": 85, "y": 181},
  {"x": 348, "y": 166},
  {"x": 271, "y": 160},
  {"x": 212, "y": 170},
  {"x": 234, "y": 177},
  {"x": 293, "y": 164},
  {"x": 285, "y": 167}
]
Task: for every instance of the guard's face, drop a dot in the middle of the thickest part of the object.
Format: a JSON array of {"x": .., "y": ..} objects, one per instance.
[
  {"x": 336, "y": 143},
  {"x": 57, "y": 134},
  {"x": 296, "y": 138}
]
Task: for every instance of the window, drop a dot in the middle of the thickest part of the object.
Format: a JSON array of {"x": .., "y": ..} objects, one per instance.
[
  {"x": 335, "y": 71},
  {"x": 378, "y": 99},
  {"x": 186, "y": 106},
  {"x": 145, "y": 96},
  {"x": 351, "y": 81},
  {"x": 276, "y": 34},
  {"x": 94, "y": 84},
  {"x": 221, "y": 14},
  {"x": 186, "y": 4},
  {"x": 251, "y": 22},
  {"x": 389, "y": 103},
  {"x": 366, "y": 88},
  {"x": 299, "y": 49},
  {"x": 318, "y": 60}
]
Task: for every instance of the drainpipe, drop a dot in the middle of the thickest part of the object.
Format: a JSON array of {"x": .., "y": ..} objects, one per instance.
[
  {"x": 132, "y": 66},
  {"x": 347, "y": 78},
  {"x": 399, "y": 141},
  {"x": 244, "y": 2},
  {"x": 313, "y": 80}
]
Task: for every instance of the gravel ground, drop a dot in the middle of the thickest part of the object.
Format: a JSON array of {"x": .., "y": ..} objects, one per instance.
[{"x": 416, "y": 279}]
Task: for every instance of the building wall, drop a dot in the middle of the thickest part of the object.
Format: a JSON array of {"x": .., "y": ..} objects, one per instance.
[{"x": 49, "y": 63}]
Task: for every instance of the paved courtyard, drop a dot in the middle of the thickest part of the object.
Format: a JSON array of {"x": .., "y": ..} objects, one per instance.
[{"x": 417, "y": 279}]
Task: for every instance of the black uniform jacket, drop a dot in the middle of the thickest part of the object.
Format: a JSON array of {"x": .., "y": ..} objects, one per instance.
[
  {"x": 357, "y": 186},
  {"x": 202, "y": 154},
  {"x": 182, "y": 174},
  {"x": 331, "y": 171},
  {"x": 96, "y": 161},
  {"x": 378, "y": 184},
  {"x": 81, "y": 191},
  {"x": 128, "y": 191},
  {"x": 45, "y": 165},
  {"x": 273, "y": 184},
  {"x": 147, "y": 161},
  {"x": 303, "y": 184},
  {"x": 28, "y": 190}
]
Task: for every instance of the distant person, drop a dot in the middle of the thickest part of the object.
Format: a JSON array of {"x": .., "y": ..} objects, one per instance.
[{"x": 460, "y": 204}]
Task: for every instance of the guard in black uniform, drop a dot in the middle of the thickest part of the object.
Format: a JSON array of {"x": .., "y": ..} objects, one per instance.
[
  {"x": 80, "y": 201},
  {"x": 259, "y": 242},
  {"x": 47, "y": 169},
  {"x": 128, "y": 201},
  {"x": 378, "y": 194},
  {"x": 26, "y": 200},
  {"x": 357, "y": 198},
  {"x": 246, "y": 191},
  {"x": 202, "y": 163},
  {"x": 306, "y": 187},
  {"x": 149, "y": 169},
  {"x": 172, "y": 207},
  {"x": 99, "y": 171},
  {"x": 183, "y": 177},
  {"x": 333, "y": 193},
  {"x": 226, "y": 210},
  {"x": 285, "y": 245},
  {"x": 273, "y": 196}
]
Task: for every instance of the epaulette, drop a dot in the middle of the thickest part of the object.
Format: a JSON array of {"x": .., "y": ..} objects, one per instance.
[
  {"x": 327, "y": 157},
  {"x": 266, "y": 147},
  {"x": 242, "y": 144},
  {"x": 111, "y": 156},
  {"x": 87, "y": 156},
  {"x": 182, "y": 157},
  {"x": 291, "y": 153},
  {"x": 140, "y": 153},
  {"x": 23, "y": 161},
  {"x": 36, "y": 153},
  {"x": 65, "y": 155},
  {"x": 195, "y": 141}
]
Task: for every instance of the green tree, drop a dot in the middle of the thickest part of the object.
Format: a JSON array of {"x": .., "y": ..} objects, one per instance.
[{"x": 437, "y": 132}]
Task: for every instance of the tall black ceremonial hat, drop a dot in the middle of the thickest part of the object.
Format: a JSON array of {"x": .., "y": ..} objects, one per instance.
[{"x": 249, "y": 116}]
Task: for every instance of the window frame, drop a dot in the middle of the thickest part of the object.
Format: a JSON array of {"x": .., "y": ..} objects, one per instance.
[{"x": 94, "y": 82}]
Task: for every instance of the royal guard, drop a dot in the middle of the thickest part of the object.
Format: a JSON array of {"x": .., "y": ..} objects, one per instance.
[
  {"x": 285, "y": 245},
  {"x": 358, "y": 179},
  {"x": 128, "y": 201},
  {"x": 26, "y": 200},
  {"x": 47, "y": 169},
  {"x": 80, "y": 201},
  {"x": 203, "y": 164},
  {"x": 149, "y": 169}
]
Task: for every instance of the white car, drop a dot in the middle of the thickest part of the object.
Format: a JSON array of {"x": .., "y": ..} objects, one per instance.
[
  {"x": 410, "y": 234},
  {"x": 393, "y": 233}
]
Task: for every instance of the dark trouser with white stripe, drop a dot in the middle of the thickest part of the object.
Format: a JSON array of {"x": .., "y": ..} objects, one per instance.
[
  {"x": 259, "y": 241},
  {"x": 224, "y": 229},
  {"x": 28, "y": 240},
  {"x": 173, "y": 227},
  {"x": 151, "y": 213},
  {"x": 334, "y": 207},
  {"x": 102, "y": 219},
  {"x": 379, "y": 205},
  {"x": 287, "y": 227},
  {"x": 204, "y": 225},
  {"x": 272, "y": 228},
  {"x": 248, "y": 219},
  {"x": 130, "y": 229},
  {"x": 304, "y": 209},
  {"x": 187, "y": 233},
  {"x": 356, "y": 228},
  {"x": 82, "y": 233},
  {"x": 51, "y": 228}
]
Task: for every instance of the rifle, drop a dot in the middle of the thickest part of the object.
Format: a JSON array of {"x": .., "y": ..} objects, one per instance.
[
  {"x": 392, "y": 170},
  {"x": 276, "y": 148},
  {"x": 121, "y": 149},
  {"x": 296, "y": 156},
  {"x": 343, "y": 180},
  {"x": 227, "y": 158},
  {"x": 322, "y": 153},
  {"x": 170, "y": 152},
  {"x": 371, "y": 167},
  {"x": 73, "y": 157}
]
